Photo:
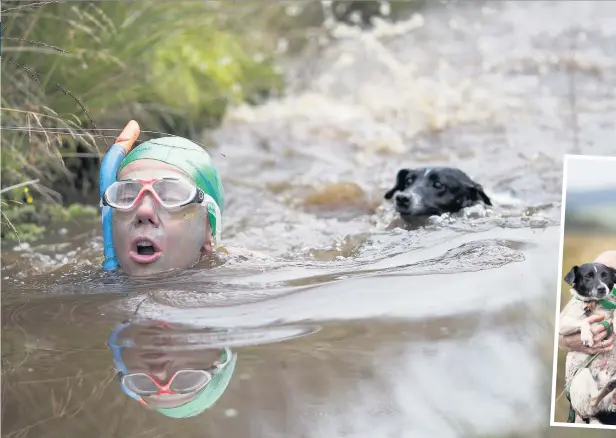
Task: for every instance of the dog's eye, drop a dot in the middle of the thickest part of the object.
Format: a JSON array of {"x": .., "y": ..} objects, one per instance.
[{"x": 437, "y": 185}]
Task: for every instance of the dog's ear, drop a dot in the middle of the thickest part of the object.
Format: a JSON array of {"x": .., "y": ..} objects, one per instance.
[
  {"x": 570, "y": 277},
  {"x": 400, "y": 183},
  {"x": 613, "y": 271},
  {"x": 478, "y": 193}
]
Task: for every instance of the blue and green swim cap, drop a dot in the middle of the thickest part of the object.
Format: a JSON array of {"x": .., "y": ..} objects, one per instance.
[{"x": 193, "y": 160}]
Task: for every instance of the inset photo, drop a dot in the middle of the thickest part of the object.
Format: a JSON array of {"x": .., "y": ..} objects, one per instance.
[{"x": 584, "y": 373}]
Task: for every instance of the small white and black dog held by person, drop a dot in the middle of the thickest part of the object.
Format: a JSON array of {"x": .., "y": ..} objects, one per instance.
[
  {"x": 433, "y": 191},
  {"x": 590, "y": 283},
  {"x": 590, "y": 380}
]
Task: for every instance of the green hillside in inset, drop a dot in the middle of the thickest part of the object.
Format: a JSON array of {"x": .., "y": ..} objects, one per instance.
[{"x": 597, "y": 219}]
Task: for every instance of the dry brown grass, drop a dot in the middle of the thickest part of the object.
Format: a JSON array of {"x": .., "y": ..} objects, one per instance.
[{"x": 577, "y": 249}]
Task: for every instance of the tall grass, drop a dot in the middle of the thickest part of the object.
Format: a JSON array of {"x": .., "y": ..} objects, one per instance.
[
  {"x": 73, "y": 73},
  {"x": 157, "y": 60}
]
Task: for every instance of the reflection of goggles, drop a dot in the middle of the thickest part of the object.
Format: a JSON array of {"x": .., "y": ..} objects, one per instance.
[
  {"x": 207, "y": 395},
  {"x": 171, "y": 193},
  {"x": 182, "y": 382}
]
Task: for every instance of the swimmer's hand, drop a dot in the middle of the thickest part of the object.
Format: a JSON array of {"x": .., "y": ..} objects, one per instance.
[{"x": 601, "y": 345}]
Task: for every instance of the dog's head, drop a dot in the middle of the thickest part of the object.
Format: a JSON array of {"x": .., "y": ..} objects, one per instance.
[
  {"x": 434, "y": 190},
  {"x": 591, "y": 281}
]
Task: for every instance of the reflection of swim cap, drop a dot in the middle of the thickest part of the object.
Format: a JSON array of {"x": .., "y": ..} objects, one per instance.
[
  {"x": 193, "y": 160},
  {"x": 206, "y": 398}
]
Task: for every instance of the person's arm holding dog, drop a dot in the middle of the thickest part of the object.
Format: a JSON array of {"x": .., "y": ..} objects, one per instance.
[{"x": 601, "y": 345}]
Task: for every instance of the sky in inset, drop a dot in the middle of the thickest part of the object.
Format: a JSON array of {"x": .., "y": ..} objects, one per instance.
[{"x": 588, "y": 173}]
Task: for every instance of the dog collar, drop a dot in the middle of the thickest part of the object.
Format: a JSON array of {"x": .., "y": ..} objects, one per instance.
[{"x": 609, "y": 304}]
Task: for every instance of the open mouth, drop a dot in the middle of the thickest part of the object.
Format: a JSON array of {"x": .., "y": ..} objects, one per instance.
[{"x": 145, "y": 251}]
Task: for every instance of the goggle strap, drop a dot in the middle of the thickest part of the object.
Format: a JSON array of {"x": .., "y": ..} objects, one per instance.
[{"x": 215, "y": 217}]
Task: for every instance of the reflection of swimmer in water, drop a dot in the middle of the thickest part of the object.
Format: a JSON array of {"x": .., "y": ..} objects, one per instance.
[
  {"x": 162, "y": 204},
  {"x": 154, "y": 368}
]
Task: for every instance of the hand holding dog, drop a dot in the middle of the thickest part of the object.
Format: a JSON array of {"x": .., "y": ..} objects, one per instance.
[{"x": 574, "y": 343}]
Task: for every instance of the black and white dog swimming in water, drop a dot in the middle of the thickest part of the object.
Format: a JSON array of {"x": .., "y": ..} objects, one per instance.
[{"x": 429, "y": 191}]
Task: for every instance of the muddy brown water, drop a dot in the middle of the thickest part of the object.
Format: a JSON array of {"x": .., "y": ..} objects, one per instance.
[{"x": 353, "y": 327}]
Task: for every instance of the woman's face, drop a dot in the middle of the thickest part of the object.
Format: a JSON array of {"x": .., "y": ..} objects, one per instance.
[{"x": 150, "y": 239}]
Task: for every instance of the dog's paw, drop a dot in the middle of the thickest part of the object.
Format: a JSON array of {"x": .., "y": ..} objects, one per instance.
[
  {"x": 586, "y": 336},
  {"x": 607, "y": 389},
  {"x": 594, "y": 402}
]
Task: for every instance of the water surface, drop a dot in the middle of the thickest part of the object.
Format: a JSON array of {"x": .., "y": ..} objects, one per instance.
[{"x": 351, "y": 326}]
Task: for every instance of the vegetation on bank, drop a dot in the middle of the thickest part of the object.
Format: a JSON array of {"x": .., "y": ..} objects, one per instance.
[{"x": 73, "y": 73}]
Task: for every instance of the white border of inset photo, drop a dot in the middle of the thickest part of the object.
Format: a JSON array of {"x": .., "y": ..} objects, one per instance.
[{"x": 591, "y": 181}]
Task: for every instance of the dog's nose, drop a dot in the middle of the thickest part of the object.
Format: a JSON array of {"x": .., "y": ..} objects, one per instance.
[
  {"x": 403, "y": 200},
  {"x": 602, "y": 289}
]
